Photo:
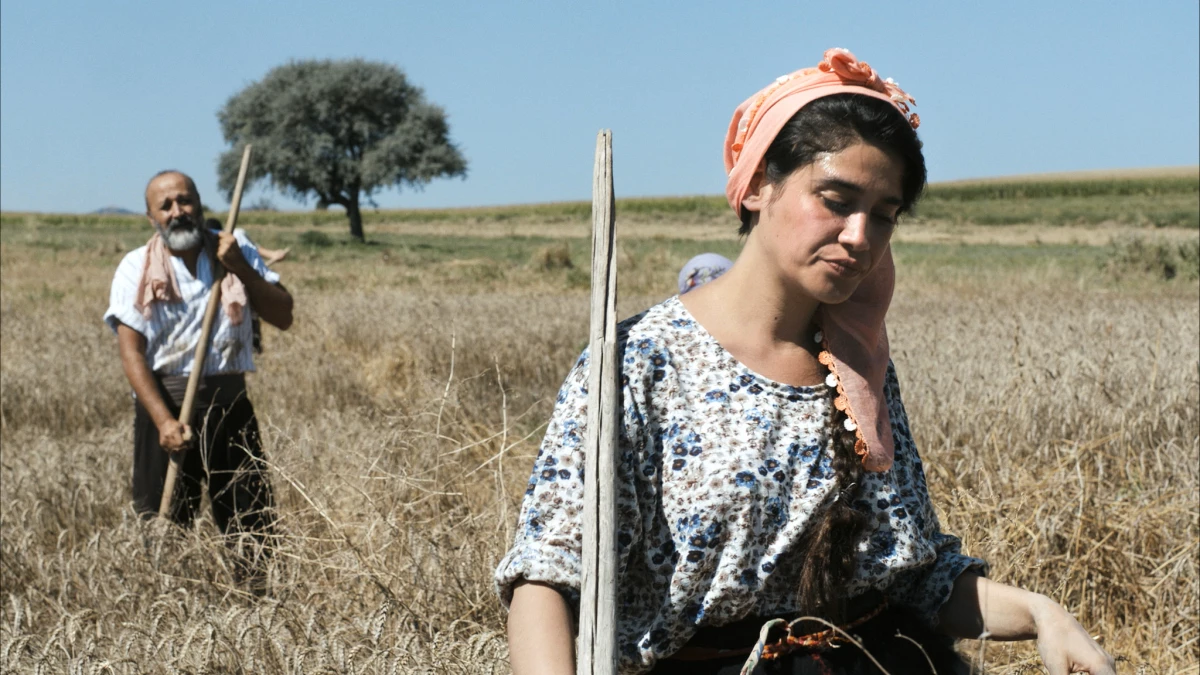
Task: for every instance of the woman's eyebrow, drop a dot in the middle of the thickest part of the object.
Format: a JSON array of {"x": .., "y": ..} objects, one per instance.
[{"x": 846, "y": 185}]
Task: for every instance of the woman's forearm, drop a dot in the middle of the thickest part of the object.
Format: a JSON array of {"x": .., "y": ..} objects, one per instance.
[
  {"x": 979, "y": 605},
  {"x": 540, "y": 637}
]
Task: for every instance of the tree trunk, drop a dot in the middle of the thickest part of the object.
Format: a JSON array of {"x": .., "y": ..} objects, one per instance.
[{"x": 355, "y": 216}]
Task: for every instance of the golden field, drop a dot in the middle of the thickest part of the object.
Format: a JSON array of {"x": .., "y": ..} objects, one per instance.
[{"x": 1053, "y": 388}]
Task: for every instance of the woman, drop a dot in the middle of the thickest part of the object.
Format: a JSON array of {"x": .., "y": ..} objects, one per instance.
[{"x": 766, "y": 466}]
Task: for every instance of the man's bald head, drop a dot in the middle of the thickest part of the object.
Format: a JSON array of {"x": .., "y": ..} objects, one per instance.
[
  {"x": 191, "y": 184},
  {"x": 173, "y": 207}
]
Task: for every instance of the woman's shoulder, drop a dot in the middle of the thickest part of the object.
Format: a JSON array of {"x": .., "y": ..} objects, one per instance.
[
  {"x": 665, "y": 351},
  {"x": 665, "y": 325}
]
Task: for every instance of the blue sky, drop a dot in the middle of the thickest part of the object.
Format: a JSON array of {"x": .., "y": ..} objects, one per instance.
[{"x": 97, "y": 96}]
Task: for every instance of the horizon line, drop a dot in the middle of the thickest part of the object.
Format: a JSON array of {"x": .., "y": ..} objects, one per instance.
[{"x": 1178, "y": 171}]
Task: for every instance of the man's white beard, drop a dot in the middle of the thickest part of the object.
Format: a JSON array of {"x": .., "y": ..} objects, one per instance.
[{"x": 182, "y": 235}]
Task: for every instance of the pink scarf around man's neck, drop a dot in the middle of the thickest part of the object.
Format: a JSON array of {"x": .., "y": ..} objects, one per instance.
[
  {"x": 855, "y": 344},
  {"x": 158, "y": 284}
]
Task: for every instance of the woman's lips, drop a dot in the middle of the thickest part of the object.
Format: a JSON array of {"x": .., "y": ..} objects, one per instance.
[{"x": 845, "y": 268}]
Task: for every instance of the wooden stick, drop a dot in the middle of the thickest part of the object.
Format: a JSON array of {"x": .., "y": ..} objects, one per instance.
[
  {"x": 597, "y": 613},
  {"x": 210, "y": 313}
]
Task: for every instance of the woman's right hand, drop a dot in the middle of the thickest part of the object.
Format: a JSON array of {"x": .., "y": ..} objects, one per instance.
[
  {"x": 541, "y": 638},
  {"x": 1065, "y": 646},
  {"x": 979, "y": 607}
]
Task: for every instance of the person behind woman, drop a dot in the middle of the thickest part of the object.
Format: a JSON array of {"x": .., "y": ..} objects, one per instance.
[
  {"x": 702, "y": 269},
  {"x": 766, "y": 466}
]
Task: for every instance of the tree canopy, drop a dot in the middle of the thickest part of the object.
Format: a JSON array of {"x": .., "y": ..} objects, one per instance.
[{"x": 337, "y": 131}]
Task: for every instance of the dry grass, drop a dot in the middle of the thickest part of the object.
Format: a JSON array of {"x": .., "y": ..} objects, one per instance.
[{"x": 1055, "y": 407}]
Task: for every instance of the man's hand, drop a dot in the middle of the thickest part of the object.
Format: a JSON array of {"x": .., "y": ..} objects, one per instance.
[
  {"x": 229, "y": 252},
  {"x": 270, "y": 301},
  {"x": 171, "y": 434}
]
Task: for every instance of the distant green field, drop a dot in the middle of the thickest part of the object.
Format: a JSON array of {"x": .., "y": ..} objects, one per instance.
[
  {"x": 458, "y": 257},
  {"x": 1160, "y": 201}
]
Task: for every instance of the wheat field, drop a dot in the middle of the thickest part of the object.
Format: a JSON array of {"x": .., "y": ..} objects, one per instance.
[{"x": 1055, "y": 405}]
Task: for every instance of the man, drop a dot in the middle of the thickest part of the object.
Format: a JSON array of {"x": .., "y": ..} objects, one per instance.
[{"x": 156, "y": 308}]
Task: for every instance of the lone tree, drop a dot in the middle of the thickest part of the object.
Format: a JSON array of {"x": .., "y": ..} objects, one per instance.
[{"x": 339, "y": 131}]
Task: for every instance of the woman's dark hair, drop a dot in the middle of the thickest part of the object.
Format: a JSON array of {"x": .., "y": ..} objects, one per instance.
[
  {"x": 828, "y": 546},
  {"x": 834, "y": 123}
]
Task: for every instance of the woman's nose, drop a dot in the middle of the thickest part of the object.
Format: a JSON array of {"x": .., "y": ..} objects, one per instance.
[{"x": 854, "y": 234}]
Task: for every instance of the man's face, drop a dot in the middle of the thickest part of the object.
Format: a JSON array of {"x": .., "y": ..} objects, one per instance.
[{"x": 173, "y": 207}]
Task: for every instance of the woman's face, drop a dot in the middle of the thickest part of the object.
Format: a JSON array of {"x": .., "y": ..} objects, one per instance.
[{"x": 828, "y": 224}]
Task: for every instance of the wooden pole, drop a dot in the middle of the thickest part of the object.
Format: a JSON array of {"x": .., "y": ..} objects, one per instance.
[
  {"x": 597, "y": 612},
  {"x": 210, "y": 313}
]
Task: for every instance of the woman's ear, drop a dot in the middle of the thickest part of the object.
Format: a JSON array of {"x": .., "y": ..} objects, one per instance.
[{"x": 759, "y": 193}]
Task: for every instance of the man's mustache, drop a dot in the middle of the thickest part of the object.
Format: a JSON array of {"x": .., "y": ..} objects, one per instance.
[{"x": 180, "y": 223}]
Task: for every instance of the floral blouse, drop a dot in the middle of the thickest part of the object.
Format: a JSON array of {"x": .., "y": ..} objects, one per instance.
[{"x": 720, "y": 473}]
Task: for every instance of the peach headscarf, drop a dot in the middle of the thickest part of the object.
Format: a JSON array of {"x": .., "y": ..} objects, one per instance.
[
  {"x": 855, "y": 344},
  {"x": 158, "y": 284}
]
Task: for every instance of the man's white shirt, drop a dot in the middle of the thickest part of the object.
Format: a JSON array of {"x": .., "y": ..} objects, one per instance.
[{"x": 173, "y": 329}]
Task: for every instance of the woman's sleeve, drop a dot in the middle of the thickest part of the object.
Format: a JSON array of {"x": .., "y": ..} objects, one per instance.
[
  {"x": 548, "y": 543},
  {"x": 925, "y": 588}
]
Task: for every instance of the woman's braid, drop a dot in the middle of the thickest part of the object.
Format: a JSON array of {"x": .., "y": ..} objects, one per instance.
[{"x": 830, "y": 553}]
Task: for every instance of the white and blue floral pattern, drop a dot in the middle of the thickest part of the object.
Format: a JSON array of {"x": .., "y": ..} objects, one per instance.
[{"x": 720, "y": 473}]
